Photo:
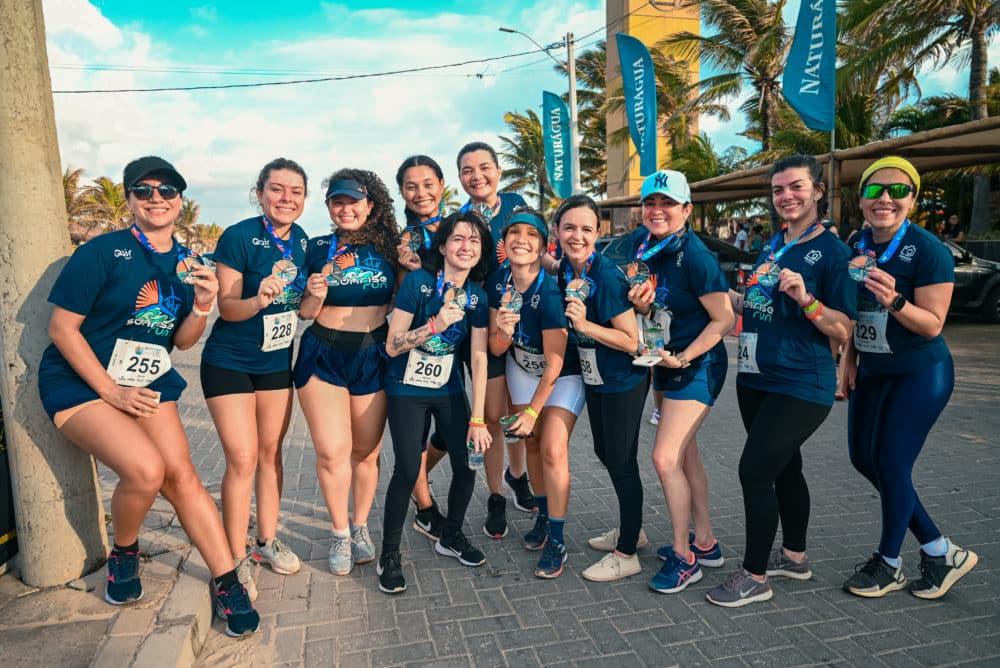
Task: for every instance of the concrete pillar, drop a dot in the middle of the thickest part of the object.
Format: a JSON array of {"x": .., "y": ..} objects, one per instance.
[{"x": 60, "y": 521}]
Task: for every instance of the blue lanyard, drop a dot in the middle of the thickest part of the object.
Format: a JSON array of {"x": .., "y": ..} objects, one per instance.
[
  {"x": 897, "y": 239},
  {"x": 643, "y": 254},
  {"x": 286, "y": 251},
  {"x": 335, "y": 252},
  {"x": 776, "y": 256},
  {"x": 442, "y": 286},
  {"x": 425, "y": 233},
  {"x": 181, "y": 252},
  {"x": 586, "y": 268}
]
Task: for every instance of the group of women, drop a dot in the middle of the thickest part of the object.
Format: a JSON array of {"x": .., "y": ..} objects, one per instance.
[{"x": 399, "y": 316}]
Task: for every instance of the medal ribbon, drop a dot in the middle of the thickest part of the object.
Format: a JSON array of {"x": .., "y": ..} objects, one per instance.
[
  {"x": 776, "y": 256},
  {"x": 335, "y": 252},
  {"x": 897, "y": 238},
  {"x": 643, "y": 254},
  {"x": 144, "y": 241},
  {"x": 286, "y": 251},
  {"x": 424, "y": 232},
  {"x": 509, "y": 284}
]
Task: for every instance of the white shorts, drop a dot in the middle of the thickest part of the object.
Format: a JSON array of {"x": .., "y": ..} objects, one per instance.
[{"x": 568, "y": 393}]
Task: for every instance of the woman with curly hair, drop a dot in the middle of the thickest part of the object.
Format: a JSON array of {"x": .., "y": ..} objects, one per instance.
[{"x": 341, "y": 365}]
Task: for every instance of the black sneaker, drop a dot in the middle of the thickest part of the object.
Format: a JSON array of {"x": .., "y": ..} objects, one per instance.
[
  {"x": 535, "y": 539},
  {"x": 458, "y": 546},
  {"x": 938, "y": 574},
  {"x": 496, "y": 517},
  {"x": 123, "y": 578},
  {"x": 233, "y": 605},
  {"x": 875, "y": 578},
  {"x": 524, "y": 498},
  {"x": 390, "y": 573},
  {"x": 429, "y": 521}
]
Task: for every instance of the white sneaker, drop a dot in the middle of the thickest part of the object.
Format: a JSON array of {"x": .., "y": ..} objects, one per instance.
[
  {"x": 612, "y": 567},
  {"x": 245, "y": 577},
  {"x": 277, "y": 555},
  {"x": 608, "y": 542},
  {"x": 654, "y": 418}
]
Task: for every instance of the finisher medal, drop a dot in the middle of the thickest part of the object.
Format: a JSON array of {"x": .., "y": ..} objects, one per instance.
[
  {"x": 637, "y": 273},
  {"x": 511, "y": 300},
  {"x": 285, "y": 270},
  {"x": 860, "y": 266},
  {"x": 767, "y": 274},
  {"x": 579, "y": 288},
  {"x": 186, "y": 265}
]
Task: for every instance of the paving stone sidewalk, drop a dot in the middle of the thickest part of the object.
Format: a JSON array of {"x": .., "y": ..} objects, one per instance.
[{"x": 501, "y": 615}]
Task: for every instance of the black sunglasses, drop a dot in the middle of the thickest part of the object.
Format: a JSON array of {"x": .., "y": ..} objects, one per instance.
[
  {"x": 144, "y": 191},
  {"x": 896, "y": 190}
]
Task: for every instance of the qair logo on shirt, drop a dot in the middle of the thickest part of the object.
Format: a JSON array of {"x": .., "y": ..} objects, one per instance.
[
  {"x": 125, "y": 254},
  {"x": 813, "y": 256},
  {"x": 266, "y": 243},
  {"x": 154, "y": 310},
  {"x": 680, "y": 258},
  {"x": 907, "y": 252},
  {"x": 536, "y": 300},
  {"x": 367, "y": 273}
]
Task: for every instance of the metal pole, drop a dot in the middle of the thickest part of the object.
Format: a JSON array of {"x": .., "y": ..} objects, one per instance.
[
  {"x": 831, "y": 193},
  {"x": 573, "y": 124}
]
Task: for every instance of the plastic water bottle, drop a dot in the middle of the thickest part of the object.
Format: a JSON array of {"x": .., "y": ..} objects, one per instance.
[{"x": 475, "y": 458}]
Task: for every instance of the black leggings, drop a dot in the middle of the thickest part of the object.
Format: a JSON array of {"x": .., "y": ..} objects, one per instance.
[
  {"x": 771, "y": 471},
  {"x": 408, "y": 417},
  {"x": 614, "y": 423}
]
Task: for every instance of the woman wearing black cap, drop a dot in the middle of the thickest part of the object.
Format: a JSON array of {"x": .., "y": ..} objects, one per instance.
[
  {"x": 122, "y": 302},
  {"x": 246, "y": 366},
  {"x": 341, "y": 365}
]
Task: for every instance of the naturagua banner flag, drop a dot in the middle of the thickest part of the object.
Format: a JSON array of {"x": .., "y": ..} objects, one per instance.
[
  {"x": 555, "y": 129},
  {"x": 640, "y": 99},
  {"x": 809, "y": 81}
]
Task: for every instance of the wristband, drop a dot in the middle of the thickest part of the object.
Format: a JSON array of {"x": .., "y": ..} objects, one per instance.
[
  {"x": 531, "y": 411},
  {"x": 814, "y": 311},
  {"x": 430, "y": 323},
  {"x": 811, "y": 306},
  {"x": 477, "y": 425},
  {"x": 477, "y": 420},
  {"x": 501, "y": 342},
  {"x": 202, "y": 311}
]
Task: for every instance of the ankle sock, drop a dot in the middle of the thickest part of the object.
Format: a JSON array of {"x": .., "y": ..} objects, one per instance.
[
  {"x": 556, "y": 525},
  {"x": 226, "y": 580},
  {"x": 543, "y": 505},
  {"x": 123, "y": 549},
  {"x": 892, "y": 561},
  {"x": 936, "y": 548},
  {"x": 346, "y": 533}
]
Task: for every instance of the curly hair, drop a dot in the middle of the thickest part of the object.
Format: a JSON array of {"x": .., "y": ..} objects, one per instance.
[
  {"x": 433, "y": 261},
  {"x": 380, "y": 229}
]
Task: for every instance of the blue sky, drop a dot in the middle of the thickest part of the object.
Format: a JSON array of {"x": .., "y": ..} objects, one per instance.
[{"x": 220, "y": 139}]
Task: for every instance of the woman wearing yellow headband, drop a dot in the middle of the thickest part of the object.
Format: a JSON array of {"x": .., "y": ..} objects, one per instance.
[{"x": 901, "y": 375}]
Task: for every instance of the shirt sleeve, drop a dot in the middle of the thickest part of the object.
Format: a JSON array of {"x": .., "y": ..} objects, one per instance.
[
  {"x": 612, "y": 295},
  {"x": 937, "y": 265},
  {"x": 841, "y": 292},
  {"x": 231, "y": 249},
  {"x": 551, "y": 310},
  {"x": 408, "y": 297},
  {"x": 480, "y": 315},
  {"x": 82, "y": 280},
  {"x": 706, "y": 275},
  {"x": 316, "y": 255}
]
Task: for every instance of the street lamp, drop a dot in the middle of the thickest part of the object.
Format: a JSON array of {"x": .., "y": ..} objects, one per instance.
[{"x": 574, "y": 149}]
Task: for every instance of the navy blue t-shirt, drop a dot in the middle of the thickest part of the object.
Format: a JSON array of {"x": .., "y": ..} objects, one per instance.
[
  {"x": 682, "y": 275},
  {"x": 542, "y": 308},
  {"x": 418, "y": 295},
  {"x": 124, "y": 292},
  {"x": 920, "y": 259},
  {"x": 367, "y": 278},
  {"x": 508, "y": 202},
  {"x": 793, "y": 356},
  {"x": 248, "y": 248},
  {"x": 608, "y": 298}
]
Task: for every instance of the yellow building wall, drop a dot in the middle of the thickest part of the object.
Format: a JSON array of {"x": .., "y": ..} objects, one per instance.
[{"x": 649, "y": 22}]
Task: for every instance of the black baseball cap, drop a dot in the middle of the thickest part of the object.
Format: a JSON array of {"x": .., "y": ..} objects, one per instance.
[
  {"x": 348, "y": 187},
  {"x": 139, "y": 169}
]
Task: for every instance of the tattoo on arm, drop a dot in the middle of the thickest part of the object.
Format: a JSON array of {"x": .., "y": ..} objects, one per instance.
[{"x": 409, "y": 340}]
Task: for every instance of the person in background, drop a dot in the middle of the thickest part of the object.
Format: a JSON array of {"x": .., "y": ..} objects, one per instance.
[{"x": 742, "y": 238}]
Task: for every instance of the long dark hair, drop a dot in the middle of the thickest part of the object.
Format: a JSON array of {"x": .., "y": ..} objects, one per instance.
[
  {"x": 380, "y": 229},
  {"x": 416, "y": 161},
  {"x": 433, "y": 260}
]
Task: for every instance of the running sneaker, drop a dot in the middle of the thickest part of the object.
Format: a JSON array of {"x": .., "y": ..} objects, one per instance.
[
  {"x": 875, "y": 578},
  {"x": 429, "y": 521},
  {"x": 938, "y": 574},
  {"x": 390, "y": 573},
  {"x": 245, "y": 577},
  {"x": 780, "y": 563},
  {"x": 612, "y": 567},
  {"x": 458, "y": 546},
  {"x": 234, "y": 606},
  {"x": 277, "y": 555},
  {"x": 362, "y": 547},
  {"x": 710, "y": 557},
  {"x": 341, "y": 558},
  {"x": 654, "y": 417},
  {"x": 495, "y": 525},
  {"x": 675, "y": 575},
  {"x": 740, "y": 589},
  {"x": 608, "y": 542},
  {"x": 524, "y": 498},
  {"x": 553, "y": 559},
  {"x": 123, "y": 578},
  {"x": 535, "y": 539}
]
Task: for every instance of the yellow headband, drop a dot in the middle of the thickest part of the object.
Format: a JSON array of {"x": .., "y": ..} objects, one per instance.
[{"x": 893, "y": 161}]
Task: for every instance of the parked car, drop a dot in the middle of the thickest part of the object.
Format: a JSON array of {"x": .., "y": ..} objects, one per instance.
[
  {"x": 736, "y": 263},
  {"x": 977, "y": 284}
]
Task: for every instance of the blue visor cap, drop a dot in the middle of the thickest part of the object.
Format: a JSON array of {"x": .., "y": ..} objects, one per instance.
[
  {"x": 348, "y": 187},
  {"x": 527, "y": 219}
]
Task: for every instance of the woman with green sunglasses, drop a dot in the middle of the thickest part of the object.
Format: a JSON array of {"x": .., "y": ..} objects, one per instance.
[{"x": 900, "y": 375}]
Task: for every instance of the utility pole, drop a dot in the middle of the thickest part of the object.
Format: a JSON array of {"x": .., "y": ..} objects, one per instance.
[{"x": 60, "y": 528}]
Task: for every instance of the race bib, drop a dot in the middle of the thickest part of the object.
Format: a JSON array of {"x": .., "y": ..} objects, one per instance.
[
  {"x": 137, "y": 364},
  {"x": 533, "y": 363},
  {"x": 588, "y": 366},
  {"x": 869, "y": 332},
  {"x": 279, "y": 330},
  {"x": 431, "y": 371},
  {"x": 746, "y": 353}
]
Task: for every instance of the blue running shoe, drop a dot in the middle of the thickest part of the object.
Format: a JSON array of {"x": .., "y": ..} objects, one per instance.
[
  {"x": 675, "y": 575},
  {"x": 539, "y": 534},
  {"x": 553, "y": 559},
  {"x": 233, "y": 605},
  {"x": 712, "y": 557},
  {"x": 123, "y": 578}
]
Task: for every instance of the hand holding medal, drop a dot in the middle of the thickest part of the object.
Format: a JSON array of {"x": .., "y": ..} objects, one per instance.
[
  {"x": 860, "y": 267},
  {"x": 316, "y": 286},
  {"x": 509, "y": 313},
  {"x": 192, "y": 270},
  {"x": 332, "y": 273},
  {"x": 187, "y": 264},
  {"x": 268, "y": 291}
]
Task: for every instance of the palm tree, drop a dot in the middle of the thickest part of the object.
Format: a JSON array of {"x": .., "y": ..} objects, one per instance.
[
  {"x": 103, "y": 206},
  {"x": 450, "y": 199},
  {"x": 747, "y": 41},
  {"x": 591, "y": 93},
  {"x": 187, "y": 221},
  {"x": 524, "y": 152},
  {"x": 203, "y": 238}
]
